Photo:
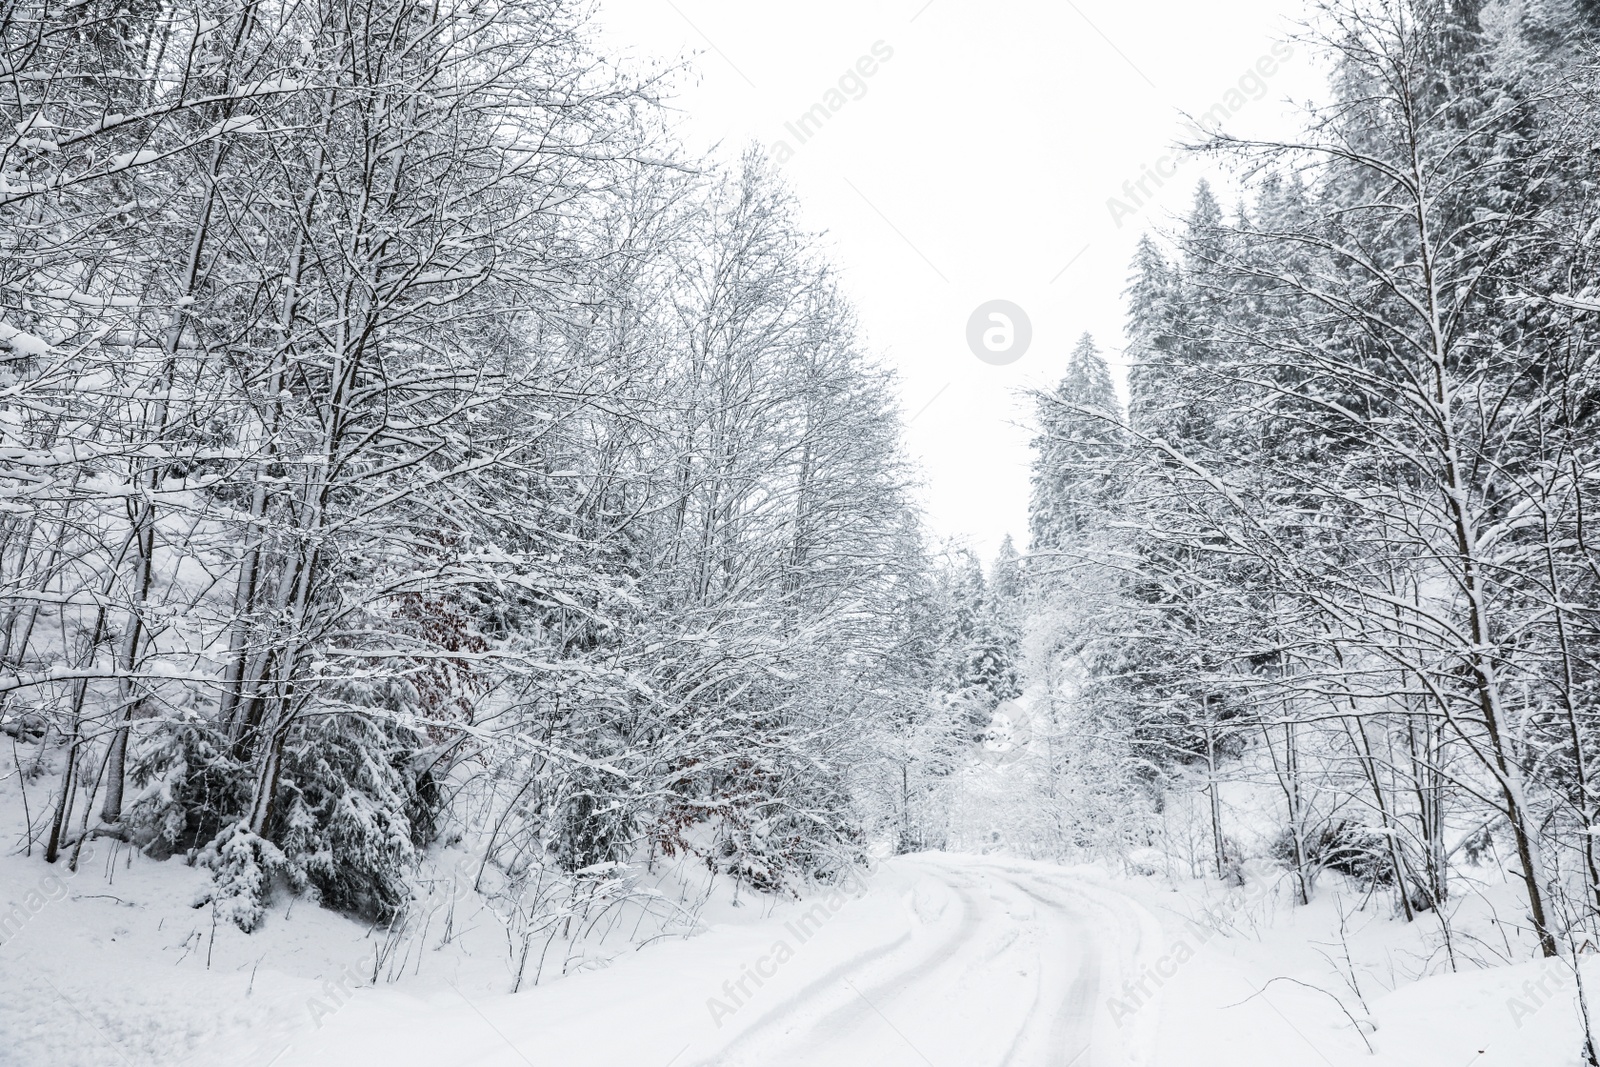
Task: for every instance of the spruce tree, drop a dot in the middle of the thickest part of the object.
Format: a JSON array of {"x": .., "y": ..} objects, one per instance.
[{"x": 1079, "y": 436}]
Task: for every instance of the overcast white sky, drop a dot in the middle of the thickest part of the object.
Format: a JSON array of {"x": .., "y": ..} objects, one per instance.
[{"x": 975, "y": 165}]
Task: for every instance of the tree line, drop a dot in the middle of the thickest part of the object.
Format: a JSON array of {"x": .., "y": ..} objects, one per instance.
[
  {"x": 1339, "y": 541},
  {"x": 401, "y": 437}
]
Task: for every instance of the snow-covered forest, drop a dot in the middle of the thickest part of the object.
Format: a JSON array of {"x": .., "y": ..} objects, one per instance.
[
  {"x": 1341, "y": 536},
  {"x": 399, "y": 431},
  {"x": 415, "y": 459}
]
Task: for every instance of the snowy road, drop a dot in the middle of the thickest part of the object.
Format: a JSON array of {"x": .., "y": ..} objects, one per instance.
[
  {"x": 941, "y": 961},
  {"x": 998, "y": 968}
]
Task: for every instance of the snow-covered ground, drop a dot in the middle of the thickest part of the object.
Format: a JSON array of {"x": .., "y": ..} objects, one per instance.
[
  {"x": 942, "y": 959},
  {"x": 1341, "y": 981},
  {"x": 935, "y": 959}
]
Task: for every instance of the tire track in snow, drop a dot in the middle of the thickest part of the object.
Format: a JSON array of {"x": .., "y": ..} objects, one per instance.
[
  {"x": 880, "y": 999},
  {"x": 830, "y": 983},
  {"x": 1058, "y": 1028},
  {"x": 1076, "y": 1012},
  {"x": 868, "y": 1001}
]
